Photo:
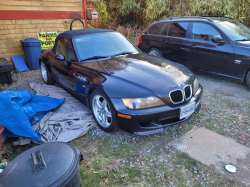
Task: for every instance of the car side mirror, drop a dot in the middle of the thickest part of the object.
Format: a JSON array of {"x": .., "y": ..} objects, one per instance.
[
  {"x": 218, "y": 39},
  {"x": 60, "y": 57}
]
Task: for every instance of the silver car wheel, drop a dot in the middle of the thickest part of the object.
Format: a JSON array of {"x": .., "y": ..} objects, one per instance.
[
  {"x": 155, "y": 53},
  {"x": 44, "y": 72},
  {"x": 101, "y": 110}
]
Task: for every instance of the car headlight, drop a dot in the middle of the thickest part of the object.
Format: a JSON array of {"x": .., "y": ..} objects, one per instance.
[
  {"x": 140, "y": 103},
  {"x": 196, "y": 85}
]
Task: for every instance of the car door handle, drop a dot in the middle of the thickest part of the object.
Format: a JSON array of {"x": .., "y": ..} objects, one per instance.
[
  {"x": 168, "y": 42},
  {"x": 199, "y": 47}
]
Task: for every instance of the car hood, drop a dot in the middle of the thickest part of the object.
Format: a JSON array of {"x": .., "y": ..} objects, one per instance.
[{"x": 141, "y": 75}]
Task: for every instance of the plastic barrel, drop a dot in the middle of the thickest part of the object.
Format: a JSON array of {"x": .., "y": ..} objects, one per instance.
[
  {"x": 53, "y": 164},
  {"x": 32, "y": 51},
  {"x": 1, "y": 130}
]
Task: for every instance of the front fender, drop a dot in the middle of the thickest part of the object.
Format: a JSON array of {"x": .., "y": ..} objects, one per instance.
[
  {"x": 241, "y": 63},
  {"x": 114, "y": 87},
  {"x": 119, "y": 88}
]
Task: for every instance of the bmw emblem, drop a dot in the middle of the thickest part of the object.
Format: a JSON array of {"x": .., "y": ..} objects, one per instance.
[{"x": 178, "y": 85}]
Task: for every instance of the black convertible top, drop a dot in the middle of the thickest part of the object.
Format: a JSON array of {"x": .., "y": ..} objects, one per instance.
[{"x": 73, "y": 33}]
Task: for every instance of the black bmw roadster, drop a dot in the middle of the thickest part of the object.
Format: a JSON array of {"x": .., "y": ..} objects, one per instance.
[{"x": 122, "y": 86}]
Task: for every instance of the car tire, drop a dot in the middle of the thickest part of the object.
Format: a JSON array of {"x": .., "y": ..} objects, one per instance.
[
  {"x": 103, "y": 111},
  {"x": 155, "y": 52},
  {"x": 248, "y": 79},
  {"x": 46, "y": 75}
]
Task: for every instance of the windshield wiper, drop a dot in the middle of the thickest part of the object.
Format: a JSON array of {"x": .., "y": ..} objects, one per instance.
[
  {"x": 123, "y": 53},
  {"x": 243, "y": 40},
  {"x": 93, "y": 57}
]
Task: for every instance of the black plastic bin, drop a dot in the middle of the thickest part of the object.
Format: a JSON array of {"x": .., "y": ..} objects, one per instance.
[
  {"x": 51, "y": 164},
  {"x": 5, "y": 71}
]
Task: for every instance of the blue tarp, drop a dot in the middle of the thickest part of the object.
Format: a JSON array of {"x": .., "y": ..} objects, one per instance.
[{"x": 17, "y": 109}]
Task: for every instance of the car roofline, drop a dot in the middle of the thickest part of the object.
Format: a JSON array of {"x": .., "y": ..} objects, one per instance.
[
  {"x": 111, "y": 31},
  {"x": 208, "y": 18},
  {"x": 190, "y": 17}
]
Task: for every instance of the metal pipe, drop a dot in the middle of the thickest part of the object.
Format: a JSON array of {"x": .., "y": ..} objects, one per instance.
[{"x": 84, "y": 7}]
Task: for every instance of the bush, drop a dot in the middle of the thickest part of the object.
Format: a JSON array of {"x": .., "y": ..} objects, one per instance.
[{"x": 143, "y": 12}]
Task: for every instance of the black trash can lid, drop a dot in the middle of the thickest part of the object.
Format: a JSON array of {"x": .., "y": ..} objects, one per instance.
[
  {"x": 31, "y": 42},
  {"x": 5, "y": 65},
  {"x": 58, "y": 163}
]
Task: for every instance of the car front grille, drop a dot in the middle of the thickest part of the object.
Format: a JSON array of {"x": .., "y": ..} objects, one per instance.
[
  {"x": 188, "y": 92},
  {"x": 176, "y": 96},
  {"x": 179, "y": 96}
]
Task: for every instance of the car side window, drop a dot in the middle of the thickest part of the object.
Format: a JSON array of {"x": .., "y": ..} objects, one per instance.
[
  {"x": 178, "y": 29},
  {"x": 203, "y": 31},
  {"x": 71, "y": 53},
  {"x": 156, "y": 28},
  {"x": 62, "y": 47},
  {"x": 165, "y": 30}
]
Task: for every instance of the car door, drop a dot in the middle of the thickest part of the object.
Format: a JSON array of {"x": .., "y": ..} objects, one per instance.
[
  {"x": 175, "y": 41},
  {"x": 77, "y": 75},
  {"x": 153, "y": 38},
  {"x": 69, "y": 73},
  {"x": 206, "y": 55},
  {"x": 62, "y": 68}
]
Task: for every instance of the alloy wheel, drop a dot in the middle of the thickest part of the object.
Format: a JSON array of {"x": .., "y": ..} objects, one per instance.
[
  {"x": 101, "y": 110},
  {"x": 155, "y": 53},
  {"x": 44, "y": 72}
]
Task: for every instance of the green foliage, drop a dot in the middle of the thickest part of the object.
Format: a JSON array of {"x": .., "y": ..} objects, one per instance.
[
  {"x": 101, "y": 6},
  {"x": 143, "y": 12},
  {"x": 237, "y": 9},
  {"x": 125, "y": 7},
  {"x": 155, "y": 9},
  {"x": 132, "y": 11},
  {"x": 212, "y": 7},
  {"x": 124, "y": 11}
]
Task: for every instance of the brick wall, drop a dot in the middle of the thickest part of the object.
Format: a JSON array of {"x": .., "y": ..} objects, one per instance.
[
  {"x": 41, "y": 5},
  {"x": 12, "y": 31}
]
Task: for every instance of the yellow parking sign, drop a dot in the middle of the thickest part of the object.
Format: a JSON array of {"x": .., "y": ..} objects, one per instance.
[{"x": 47, "y": 39}]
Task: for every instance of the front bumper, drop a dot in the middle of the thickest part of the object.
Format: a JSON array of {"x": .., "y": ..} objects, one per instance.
[{"x": 152, "y": 120}]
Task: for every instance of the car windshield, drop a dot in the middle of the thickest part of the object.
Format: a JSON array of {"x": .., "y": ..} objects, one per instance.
[
  {"x": 101, "y": 45},
  {"x": 235, "y": 30}
]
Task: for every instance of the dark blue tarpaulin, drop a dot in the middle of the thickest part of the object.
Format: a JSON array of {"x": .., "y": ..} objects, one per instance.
[{"x": 17, "y": 108}]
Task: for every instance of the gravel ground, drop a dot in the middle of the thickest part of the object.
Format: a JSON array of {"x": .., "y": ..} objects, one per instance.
[
  {"x": 124, "y": 159},
  {"x": 226, "y": 107},
  {"x": 22, "y": 80}
]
